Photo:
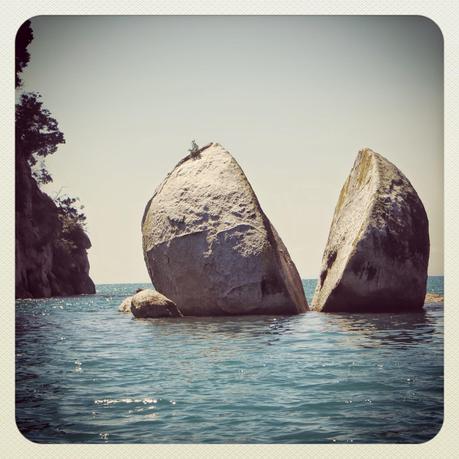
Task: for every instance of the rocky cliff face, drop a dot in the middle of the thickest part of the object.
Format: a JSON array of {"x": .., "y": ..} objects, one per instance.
[
  {"x": 378, "y": 248},
  {"x": 210, "y": 248},
  {"x": 50, "y": 260}
]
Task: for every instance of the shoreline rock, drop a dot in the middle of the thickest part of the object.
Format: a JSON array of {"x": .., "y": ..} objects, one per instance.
[
  {"x": 210, "y": 248},
  {"x": 377, "y": 251},
  {"x": 49, "y": 262},
  {"x": 433, "y": 298}
]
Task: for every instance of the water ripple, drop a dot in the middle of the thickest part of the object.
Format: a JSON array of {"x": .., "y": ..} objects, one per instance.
[{"x": 88, "y": 374}]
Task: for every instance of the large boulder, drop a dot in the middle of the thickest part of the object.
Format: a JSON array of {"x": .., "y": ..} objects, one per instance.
[
  {"x": 151, "y": 304},
  {"x": 378, "y": 247},
  {"x": 209, "y": 246}
]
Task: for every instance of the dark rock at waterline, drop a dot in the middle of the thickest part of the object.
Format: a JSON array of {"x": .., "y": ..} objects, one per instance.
[
  {"x": 51, "y": 257},
  {"x": 378, "y": 248},
  {"x": 209, "y": 246},
  {"x": 151, "y": 304}
]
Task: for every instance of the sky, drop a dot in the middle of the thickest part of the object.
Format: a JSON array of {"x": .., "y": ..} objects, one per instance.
[{"x": 293, "y": 98}]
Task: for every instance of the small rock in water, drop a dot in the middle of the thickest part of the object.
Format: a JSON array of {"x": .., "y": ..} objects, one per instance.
[{"x": 152, "y": 304}]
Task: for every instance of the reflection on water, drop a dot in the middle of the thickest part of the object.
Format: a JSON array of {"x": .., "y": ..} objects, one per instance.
[
  {"x": 366, "y": 330},
  {"x": 226, "y": 326},
  {"x": 387, "y": 329},
  {"x": 86, "y": 373}
]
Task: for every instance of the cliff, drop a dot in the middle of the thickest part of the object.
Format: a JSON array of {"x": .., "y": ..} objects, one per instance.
[{"x": 51, "y": 257}]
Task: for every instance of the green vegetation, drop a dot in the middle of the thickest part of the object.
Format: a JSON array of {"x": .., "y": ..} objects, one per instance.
[
  {"x": 23, "y": 39},
  {"x": 194, "y": 150},
  {"x": 44, "y": 224},
  {"x": 38, "y": 135}
]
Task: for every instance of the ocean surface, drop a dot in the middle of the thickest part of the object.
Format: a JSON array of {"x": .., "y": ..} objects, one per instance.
[{"x": 86, "y": 373}]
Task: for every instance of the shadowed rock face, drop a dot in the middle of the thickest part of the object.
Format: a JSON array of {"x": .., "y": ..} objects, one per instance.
[
  {"x": 210, "y": 248},
  {"x": 48, "y": 262},
  {"x": 378, "y": 248}
]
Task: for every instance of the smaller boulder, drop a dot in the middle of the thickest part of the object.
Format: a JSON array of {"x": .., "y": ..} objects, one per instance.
[
  {"x": 125, "y": 306},
  {"x": 151, "y": 304},
  {"x": 433, "y": 298}
]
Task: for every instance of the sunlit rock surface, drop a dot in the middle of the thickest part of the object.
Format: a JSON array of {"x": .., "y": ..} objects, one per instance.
[
  {"x": 151, "y": 304},
  {"x": 210, "y": 248},
  {"x": 125, "y": 306}
]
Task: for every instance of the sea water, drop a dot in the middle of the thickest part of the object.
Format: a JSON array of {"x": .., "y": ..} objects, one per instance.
[{"x": 86, "y": 373}]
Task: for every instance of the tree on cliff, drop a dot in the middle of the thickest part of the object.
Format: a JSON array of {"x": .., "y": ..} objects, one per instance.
[
  {"x": 23, "y": 39},
  {"x": 194, "y": 150},
  {"x": 37, "y": 132},
  {"x": 51, "y": 241},
  {"x": 69, "y": 211}
]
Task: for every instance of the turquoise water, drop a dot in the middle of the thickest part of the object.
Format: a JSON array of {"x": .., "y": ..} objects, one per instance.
[{"x": 86, "y": 373}]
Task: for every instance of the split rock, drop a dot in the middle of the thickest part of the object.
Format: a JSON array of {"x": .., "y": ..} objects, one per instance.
[
  {"x": 378, "y": 247},
  {"x": 209, "y": 246}
]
